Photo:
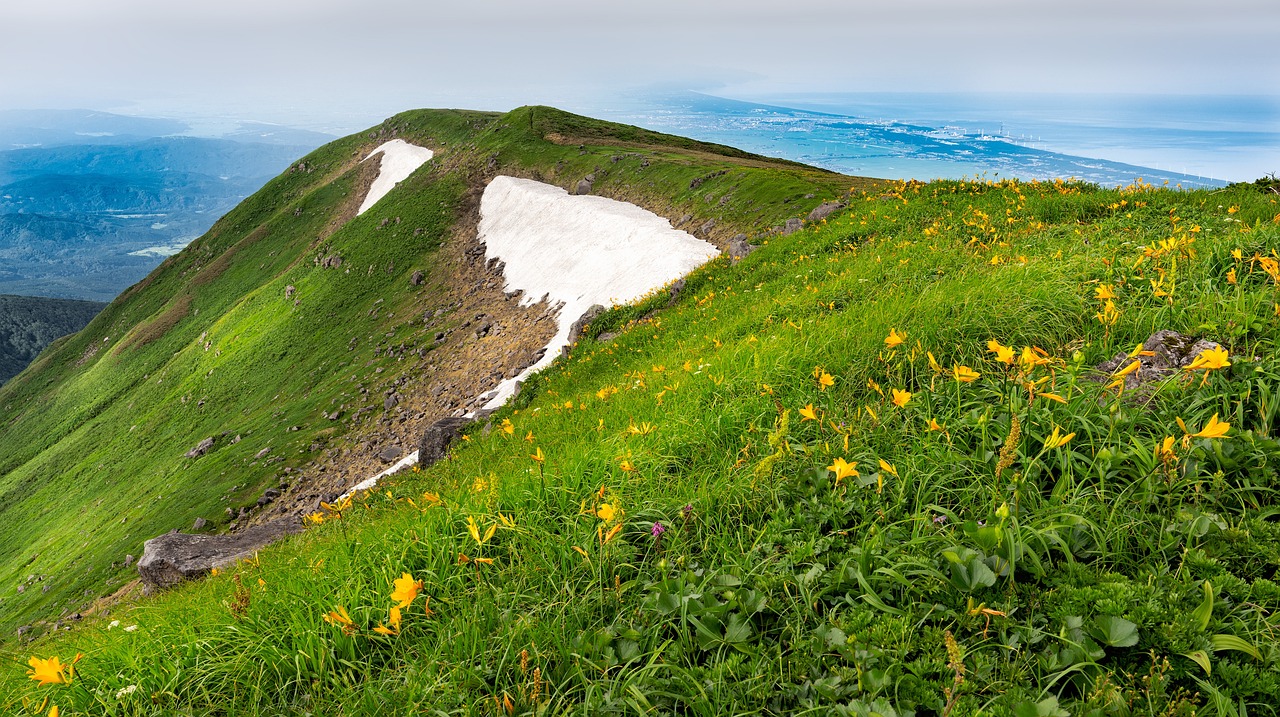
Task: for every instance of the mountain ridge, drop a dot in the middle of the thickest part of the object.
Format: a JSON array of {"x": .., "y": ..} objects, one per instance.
[{"x": 910, "y": 448}]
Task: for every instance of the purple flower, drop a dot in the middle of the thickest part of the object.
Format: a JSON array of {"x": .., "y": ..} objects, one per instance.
[
  {"x": 939, "y": 519},
  {"x": 687, "y": 509},
  {"x": 658, "y": 530}
]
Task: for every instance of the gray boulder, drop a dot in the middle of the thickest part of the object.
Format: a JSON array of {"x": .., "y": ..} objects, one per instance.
[
  {"x": 739, "y": 248},
  {"x": 437, "y": 438},
  {"x": 201, "y": 448},
  {"x": 824, "y": 210},
  {"x": 575, "y": 330},
  {"x": 390, "y": 454},
  {"x": 584, "y": 187},
  {"x": 173, "y": 557},
  {"x": 793, "y": 225},
  {"x": 1173, "y": 352}
]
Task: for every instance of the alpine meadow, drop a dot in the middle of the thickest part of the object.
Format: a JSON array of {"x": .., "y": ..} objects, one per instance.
[{"x": 893, "y": 448}]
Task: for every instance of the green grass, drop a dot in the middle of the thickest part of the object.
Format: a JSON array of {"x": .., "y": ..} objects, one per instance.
[
  {"x": 1092, "y": 578},
  {"x": 93, "y": 435}
]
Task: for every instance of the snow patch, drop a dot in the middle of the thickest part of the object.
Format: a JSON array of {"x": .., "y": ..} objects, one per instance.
[
  {"x": 577, "y": 251},
  {"x": 399, "y": 160}
]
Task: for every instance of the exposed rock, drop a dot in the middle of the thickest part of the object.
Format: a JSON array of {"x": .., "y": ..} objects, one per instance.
[
  {"x": 262, "y": 453},
  {"x": 822, "y": 211},
  {"x": 417, "y": 278},
  {"x": 390, "y": 454},
  {"x": 739, "y": 248},
  {"x": 584, "y": 187},
  {"x": 391, "y": 401},
  {"x": 289, "y": 291},
  {"x": 173, "y": 557},
  {"x": 201, "y": 448},
  {"x": 437, "y": 438},
  {"x": 684, "y": 219},
  {"x": 128, "y": 560},
  {"x": 793, "y": 225},
  {"x": 575, "y": 330},
  {"x": 199, "y": 524},
  {"x": 674, "y": 291},
  {"x": 1172, "y": 351},
  {"x": 706, "y": 227}
]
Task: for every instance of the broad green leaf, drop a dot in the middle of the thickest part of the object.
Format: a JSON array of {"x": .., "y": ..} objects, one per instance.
[
  {"x": 1201, "y": 658},
  {"x": 1114, "y": 631},
  {"x": 1231, "y": 642}
]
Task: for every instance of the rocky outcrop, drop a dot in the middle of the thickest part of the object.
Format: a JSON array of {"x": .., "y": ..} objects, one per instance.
[
  {"x": 575, "y": 330},
  {"x": 201, "y": 448},
  {"x": 739, "y": 248},
  {"x": 793, "y": 225},
  {"x": 437, "y": 438},
  {"x": 824, "y": 210},
  {"x": 174, "y": 557},
  {"x": 1171, "y": 351}
]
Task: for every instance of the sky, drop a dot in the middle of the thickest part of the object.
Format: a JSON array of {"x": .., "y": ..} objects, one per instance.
[{"x": 342, "y": 64}]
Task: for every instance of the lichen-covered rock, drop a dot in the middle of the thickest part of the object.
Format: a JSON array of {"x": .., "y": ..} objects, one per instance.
[{"x": 1170, "y": 351}]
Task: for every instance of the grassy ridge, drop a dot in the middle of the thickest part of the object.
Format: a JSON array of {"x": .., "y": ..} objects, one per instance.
[
  {"x": 691, "y": 540},
  {"x": 92, "y": 446}
]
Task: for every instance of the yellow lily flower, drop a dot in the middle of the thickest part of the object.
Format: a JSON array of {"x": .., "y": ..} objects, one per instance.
[
  {"x": 808, "y": 413},
  {"x": 901, "y": 398},
  {"x": 607, "y": 512},
  {"x": 406, "y": 589},
  {"x": 392, "y": 628},
  {"x": 46, "y": 672},
  {"x": 935, "y": 426},
  {"x": 1213, "y": 429},
  {"x": 1137, "y": 364},
  {"x": 842, "y": 469},
  {"x": 1004, "y": 354},
  {"x": 538, "y": 456},
  {"x": 825, "y": 380},
  {"x": 964, "y": 374},
  {"x": 1210, "y": 360},
  {"x": 894, "y": 339},
  {"x": 1057, "y": 440},
  {"x": 1104, "y": 292}
]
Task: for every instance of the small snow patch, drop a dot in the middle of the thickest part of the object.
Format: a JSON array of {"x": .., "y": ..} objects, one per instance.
[{"x": 399, "y": 160}]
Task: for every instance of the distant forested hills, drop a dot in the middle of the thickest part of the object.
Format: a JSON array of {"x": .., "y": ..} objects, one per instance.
[{"x": 30, "y": 323}]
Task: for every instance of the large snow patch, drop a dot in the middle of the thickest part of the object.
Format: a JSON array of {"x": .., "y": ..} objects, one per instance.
[
  {"x": 578, "y": 251},
  {"x": 575, "y": 251},
  {"x": 399, "y": 160}
]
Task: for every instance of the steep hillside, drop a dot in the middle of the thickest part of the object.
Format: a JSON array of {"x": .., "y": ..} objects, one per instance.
[
  {"x": 939, "y": 453},
  {"x": 295, "y": 336},
  {"x": 28, "y": 324}
]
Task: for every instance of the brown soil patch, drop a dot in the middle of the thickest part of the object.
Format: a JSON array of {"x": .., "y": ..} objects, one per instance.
[{"x": 157, "y": 327}]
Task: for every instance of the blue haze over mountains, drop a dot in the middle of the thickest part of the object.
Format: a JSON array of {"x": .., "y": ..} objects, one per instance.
[
  {"x": 1108, "y": 140},
  {"x": 91, "y": 202}
]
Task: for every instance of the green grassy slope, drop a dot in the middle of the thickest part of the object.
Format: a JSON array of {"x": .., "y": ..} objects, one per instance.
[
  {"x": 974, "y": 569},
  {"x": 93, "y": 437}
]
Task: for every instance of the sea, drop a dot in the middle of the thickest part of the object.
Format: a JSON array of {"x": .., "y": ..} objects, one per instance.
[{"x": 1190, "y": 141}]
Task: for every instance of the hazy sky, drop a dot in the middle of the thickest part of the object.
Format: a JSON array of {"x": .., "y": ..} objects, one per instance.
[{"x": 327, "y": 60}]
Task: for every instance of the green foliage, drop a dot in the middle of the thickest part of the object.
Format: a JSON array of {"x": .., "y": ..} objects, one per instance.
[{"x": 1029, "y": 542}]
